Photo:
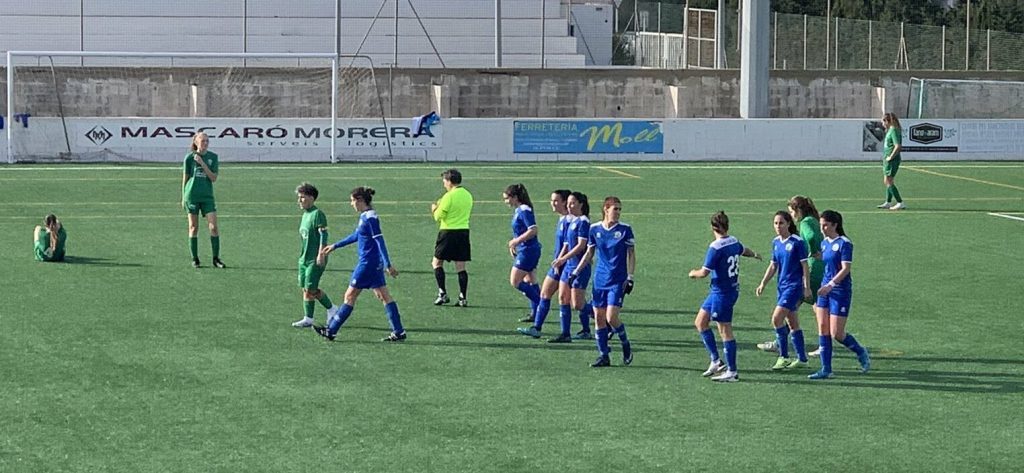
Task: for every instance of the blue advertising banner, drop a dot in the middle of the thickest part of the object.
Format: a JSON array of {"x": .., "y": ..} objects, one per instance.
[{"x": 598, "y": 136}]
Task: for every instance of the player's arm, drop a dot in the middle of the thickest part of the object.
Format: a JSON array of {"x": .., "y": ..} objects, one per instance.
[
  {"x": 587, "y": 257},
  {"x": 630, "y": 268},
  {"x": 529, "y": 233},
  {"x": 321, "y": 257},
  {"x": 580, "y": 248},
  {"x": 704, "y": 271},
  {"x": 440, "y": 209},
  {"x": 897, "y": 146},
  {"x": 806, "y": 277},
  {"x": 350, "y": 239},
  {"x": 206, "y": 169},
  {"x": 378, "y": 238},
  {"x": 769, "y": 273},
  {"x": 751, "y": 254}
]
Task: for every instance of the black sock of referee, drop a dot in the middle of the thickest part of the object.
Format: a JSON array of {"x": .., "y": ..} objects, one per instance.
[
  {"x": 463, "y": 283},
  {"x": 439, "y": 276}
]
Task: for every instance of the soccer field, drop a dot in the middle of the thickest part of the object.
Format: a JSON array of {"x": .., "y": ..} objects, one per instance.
[{"x": 128, "y": 359}]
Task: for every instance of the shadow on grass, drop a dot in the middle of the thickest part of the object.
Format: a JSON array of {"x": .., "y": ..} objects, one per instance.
[{"x": 86, "y": 260}]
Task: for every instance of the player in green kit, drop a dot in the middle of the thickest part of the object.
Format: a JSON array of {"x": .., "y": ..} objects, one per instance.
[
  {"x": 313, "y": 232},
  {"x": 200, "y": 168},
  {"x": 891, "y": 161},
  {"x": 50, "y": 239}
]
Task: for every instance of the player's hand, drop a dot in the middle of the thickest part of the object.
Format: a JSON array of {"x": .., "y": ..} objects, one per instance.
[
  {"x": 824, "y": 290},
  {"x": 392, "y": 271},
  {"x": 326, "y": 250},
  {"x": 433, "y": 208},
  {"x": 557, "y": 263},
  {"x": 694, "y": 274},
  {"x": 197, "y": 157},
  {"x": 757, "y": 256},
  {"x": 759, "y": 290},
  {"x": 629, "y": 286},
  {"x": 512, "y": 251}
]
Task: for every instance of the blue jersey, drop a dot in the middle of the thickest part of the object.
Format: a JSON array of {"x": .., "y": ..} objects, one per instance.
[
  {"x": 833, "y": 254},
  {"x": 523, "y": 220},
  {"x": 723, "y": 260},
  {"x": 787, "y": 255},
  {"x": 562, "y": 235},
  {"x": 372, "y": 250},
  {"x": 610, "y": 246},
  {"x": 579, "y": 227}
]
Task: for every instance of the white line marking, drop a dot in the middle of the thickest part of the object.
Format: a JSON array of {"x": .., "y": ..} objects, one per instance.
[
  {"x": 478, "y": 165},
  {"x": 1011, "y": 217}
]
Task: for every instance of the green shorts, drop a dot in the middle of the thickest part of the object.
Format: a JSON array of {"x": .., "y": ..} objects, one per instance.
[
  {"x": 309, "y": 276},
  {"x": 204, "y": 207},
  {"x": 42, "y": 254},
  {"x": 890, "y": 168}
]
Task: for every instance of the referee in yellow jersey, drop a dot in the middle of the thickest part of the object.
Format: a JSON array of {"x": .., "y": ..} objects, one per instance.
[{"x": 452, "y": 212}]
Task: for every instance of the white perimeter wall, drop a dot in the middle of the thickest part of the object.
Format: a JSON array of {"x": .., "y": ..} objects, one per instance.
[{"x": 166, "y": 140}]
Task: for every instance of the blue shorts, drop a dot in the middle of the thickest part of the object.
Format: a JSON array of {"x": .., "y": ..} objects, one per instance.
[
  {"x": 608, "y": 296},
  {"x": 720, "y": 305},
  {"x": 554, "y": 273},
  {"x": 527, "y": 258},
  {"x": 582, "y": 280},
  {"x": 837, "y": 302},
  {"x": 790, "y": 297},
  {"x": 367, "y": 277}
]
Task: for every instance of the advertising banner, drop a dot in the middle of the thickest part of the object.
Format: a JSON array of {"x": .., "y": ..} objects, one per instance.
[
  {"x": 594, "y": 136},
  {"x": 934, "y": 136}
]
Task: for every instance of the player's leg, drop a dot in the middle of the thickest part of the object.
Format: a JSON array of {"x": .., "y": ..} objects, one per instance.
[
  {"x": 600, "y": 297},
  {"x": 722, "y": 312},
  {"x": 335, "y": 321},
  {"x": 796, "y": 335},
  {"x": 442, "y": 291},
  {"x": 615, "y": 324},
  {"x": 193, "y": 232},
  {"x": 703, "y": 324},
  {"x": 460, "y": 270},
  {"x": 839, "y": 333},
  {"x": 564, "y": 311},
  {"x": 391, "y": 310},
  {"x": 211, "y": 222},
  {"x": 779, "y": 323},
  {"x": 824, "y": 339},
  {"x": 894, "y": 167}
]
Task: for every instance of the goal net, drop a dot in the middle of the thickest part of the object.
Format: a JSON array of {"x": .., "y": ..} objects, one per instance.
[
  {"x": 965, "y": 98},
  {"x": 125, "y": 107}
]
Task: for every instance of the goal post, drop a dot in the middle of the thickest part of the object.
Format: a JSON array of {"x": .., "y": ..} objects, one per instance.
[
  {"x": 964, "y": 98},
  {"x": 141, "y": 107}
]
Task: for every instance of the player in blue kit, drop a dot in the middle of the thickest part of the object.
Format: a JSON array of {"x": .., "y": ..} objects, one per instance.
[
  {"x": 789, "y": 259},
  {"x": 613, "y": 242},
  {"x": 559, "y": 201},
  {"x": 572, "y": 295},
  {"x": 833, "y": 305},
  {"x": 523, "y": 246},
  {"x": 369, "y": 271},
  {"x": 722, "y": 262}
]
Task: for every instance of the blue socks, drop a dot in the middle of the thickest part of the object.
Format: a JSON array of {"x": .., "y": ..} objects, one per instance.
[
  {"x": 730, "y": 353},
  {"x": 708, "y": 337},
  {"x": 798, "y": 345},
  {"x": 602, "y": 341},
  {"x": 586, "y": 313},
  {"x": 565, "y": 318},
  {"x": 782, "y": 340},
  {"x": 393, "y": 318},
  {"x": 541, "y": 313},
  {"x": 532, "y": 292},
  {"x": 825, "y": 342},
  {"x": 621, "y": 332},
  {"x": 335, "y": 322},
  {"x": 851, "y": 343}
]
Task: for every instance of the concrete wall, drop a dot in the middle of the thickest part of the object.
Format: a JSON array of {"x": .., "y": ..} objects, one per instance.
[{"x": 472, "y": 93}]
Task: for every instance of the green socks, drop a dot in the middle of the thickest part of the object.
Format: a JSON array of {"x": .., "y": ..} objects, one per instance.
[
  {"x": 193, "y": 246},
  {"x": 326, "y": 301},
  {"x": 895, "y": 193},
  {"x": 215, "y": 245},
  {"x": 307, "y": 308}
]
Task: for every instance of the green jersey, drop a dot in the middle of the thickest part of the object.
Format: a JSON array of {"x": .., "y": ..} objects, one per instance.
[
  {"x": 893, "y": 137},
  {"x": 810, "y": 231},
  {"x": 42, "y": 247},
  {"x": 198, "y": 187},
  {"x": 313, "y": 232}
]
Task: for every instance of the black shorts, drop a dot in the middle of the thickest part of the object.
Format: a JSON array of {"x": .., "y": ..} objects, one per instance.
[{"x": 452, "y": 245}]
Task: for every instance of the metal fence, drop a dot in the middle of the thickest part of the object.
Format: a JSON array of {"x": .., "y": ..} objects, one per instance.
[{"x": 814, "y": 42}]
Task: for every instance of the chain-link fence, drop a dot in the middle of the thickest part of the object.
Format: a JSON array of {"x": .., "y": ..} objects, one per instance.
[{"x": 659, "y": 31}]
